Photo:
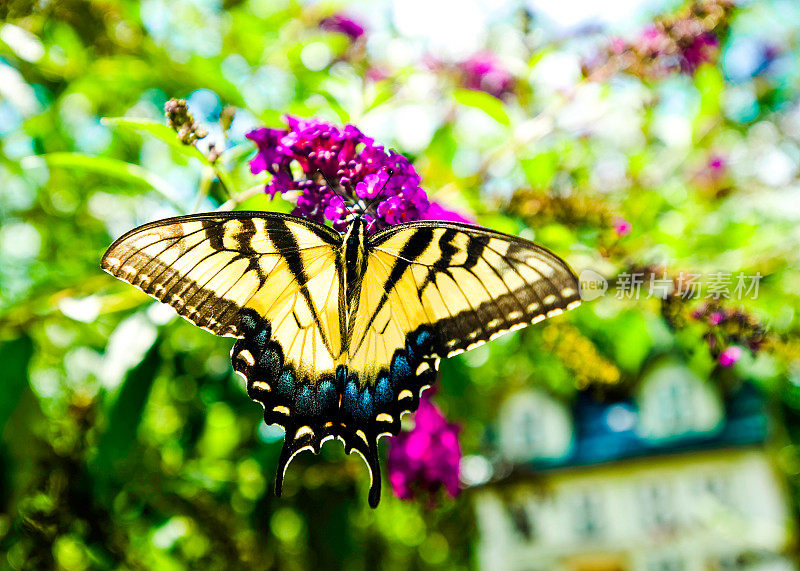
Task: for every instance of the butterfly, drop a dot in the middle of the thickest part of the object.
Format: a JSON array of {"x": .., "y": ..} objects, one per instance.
[{"x": 337, "y": 333}]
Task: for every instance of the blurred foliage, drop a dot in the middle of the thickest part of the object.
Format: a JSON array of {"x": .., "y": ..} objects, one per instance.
[{"x": 126, "y": 439}]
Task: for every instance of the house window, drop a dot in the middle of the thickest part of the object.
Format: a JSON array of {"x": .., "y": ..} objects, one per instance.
[
  {"x": 657, "y": 505},
  {"x": 521, "y": 521},
  {"x": 587, "y": 516},
  {"x": 673, "y": 402},
  {"x": 675, "y": 408},
  {"x": 534, "y": 426}
]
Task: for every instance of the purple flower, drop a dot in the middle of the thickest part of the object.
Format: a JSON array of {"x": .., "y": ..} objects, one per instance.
[
  {"x": 484, "y": 72},
  {"x": 360, "y": 170},
  {"x": 716, "y": 317},
  {"x": 653, "y": 41},
  {"x": 426, "y": 458},
  {"x": 702, "y": 49},
  {"x": 622, "y": 227},
  {"x": 730, "y": 355},
  {"x": 344, "y": 25}
]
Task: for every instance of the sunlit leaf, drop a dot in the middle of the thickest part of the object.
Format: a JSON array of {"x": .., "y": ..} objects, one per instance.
[
  {"x": 110, "y": 167},
  {"x": 159, "y": 131},
  {"x": 489, "y": 104}
]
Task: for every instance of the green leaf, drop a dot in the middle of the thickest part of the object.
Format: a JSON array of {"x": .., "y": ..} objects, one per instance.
[
  {"x": 540, "y": 169},
  {"x": 159, "y": 131},
  {"x": 107, "y": 166},
  {"x": 168, "y": 136},
  {"x": 126, "y": 411},
  {"x": 489, "y": 104},
  {"x": 15, "y": 356}
]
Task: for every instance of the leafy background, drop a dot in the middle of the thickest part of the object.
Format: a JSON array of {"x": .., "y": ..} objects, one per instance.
[{"x": 126, "y": 440}]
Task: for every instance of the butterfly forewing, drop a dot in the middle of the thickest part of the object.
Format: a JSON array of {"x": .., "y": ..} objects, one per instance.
[
  {"x": 210, "y": 266},
  {"x": 467, "y": 283}
]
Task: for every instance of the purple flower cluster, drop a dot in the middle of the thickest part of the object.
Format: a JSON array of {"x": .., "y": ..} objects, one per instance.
[
  {"x": 426, "y": 458},
  {"x": 729, "y": 332},
  {"x": 679, "y": 43},
  {"x": 360, "y": 171},
  {"x": 485, "y": 72},
  {"x": 344, "y": 25}
]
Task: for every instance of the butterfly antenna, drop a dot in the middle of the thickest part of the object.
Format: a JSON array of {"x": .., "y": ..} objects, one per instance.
[
  {"x": 334, "y": 189},
  {"x": 390, "y": 172}
]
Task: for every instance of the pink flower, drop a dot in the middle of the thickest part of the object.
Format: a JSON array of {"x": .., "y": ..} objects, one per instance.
[
  {"x": 621, "y": 226},
  {"x": 485, "y": 72},
  {"x": 730, "y": 355},
  {"x": 426, "y": 458},
  {"x": 344, "y": 25}
]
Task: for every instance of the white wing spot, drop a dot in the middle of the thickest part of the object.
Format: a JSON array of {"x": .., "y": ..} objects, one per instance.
[
  {"x": 555, "y": 312},
  {"x": 422, "y": 368},
  {"x": 247, "y": 357},
  {"x": 405, "y": 393},
  {"x": 262, "y": 386},
  {"x": 302, "y": 431},
  {"x": 473, "y": 335},
  {"x": 476, "y": 344},
  {"x": 455, "y": 352},
  {"x": 533, "y": 307},
  {"x": 549, "y": 299},
  {"x": 567, "y": 291},
  {"x": 497, "y": 334},
  {"x": 451, "y": 342},
  {"x": 383, "y": 417},
  {"x": 436, "y": 363},
  {"x": 281, "y": 410},
  {"x": 517, "y": 326},
  {"x": 574, "y": 304},
  {"x": 362, "y": 436},
  {"x": 515, "y": 315},
  {"x": 537, "y": 319},
  {"x": 492, "y": 323}
]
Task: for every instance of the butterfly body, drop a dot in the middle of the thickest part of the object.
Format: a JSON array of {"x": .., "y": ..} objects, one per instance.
[{"x": 338, "y": 334}]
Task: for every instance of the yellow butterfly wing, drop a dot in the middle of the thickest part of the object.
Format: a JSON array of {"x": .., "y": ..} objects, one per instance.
[{"x": 460, "y": 285}]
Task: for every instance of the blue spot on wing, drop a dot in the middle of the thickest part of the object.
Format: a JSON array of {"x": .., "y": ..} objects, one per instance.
[
  {"x": 400, "y": 369},
  {"x": 286, "y": 383},
  {"x": 365, "y": 406},
  {"x": 383, "y": 392}
]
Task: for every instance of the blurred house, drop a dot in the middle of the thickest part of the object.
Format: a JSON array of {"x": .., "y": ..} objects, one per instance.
[{"x": 674, "y": 479}]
